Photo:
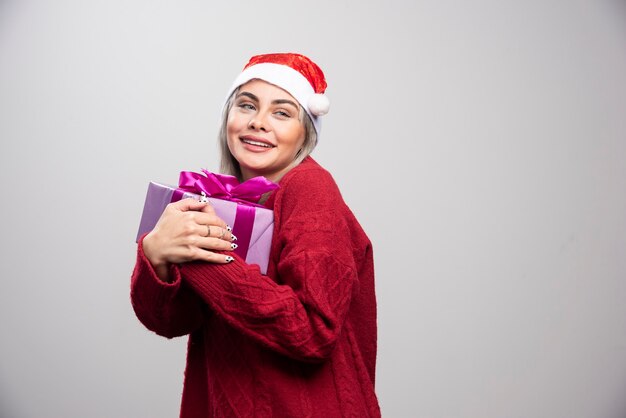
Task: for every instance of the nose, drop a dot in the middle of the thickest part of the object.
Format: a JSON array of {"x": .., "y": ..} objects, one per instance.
[{"x": 257, "y": 122}]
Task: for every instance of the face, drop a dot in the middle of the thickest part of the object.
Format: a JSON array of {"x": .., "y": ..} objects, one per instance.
[{"x": 264, "y": 130}]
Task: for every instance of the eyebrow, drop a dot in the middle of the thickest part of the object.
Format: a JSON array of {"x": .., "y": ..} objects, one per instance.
[{"x": 277, "y": 101}]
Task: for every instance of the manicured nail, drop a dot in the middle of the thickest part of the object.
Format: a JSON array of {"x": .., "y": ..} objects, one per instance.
[
  {"x": 234, "y": 246},
  {"x": 229, "y": 259},
  {"x": 228, "y": 228},
  {"x": 233, "y": 238}
]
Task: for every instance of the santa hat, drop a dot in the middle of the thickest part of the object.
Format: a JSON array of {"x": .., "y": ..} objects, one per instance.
[{"x": 294, "y": 73}]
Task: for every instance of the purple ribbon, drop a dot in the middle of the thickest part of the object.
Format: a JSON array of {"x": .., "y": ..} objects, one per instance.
[{"x": 222, "y": 186}]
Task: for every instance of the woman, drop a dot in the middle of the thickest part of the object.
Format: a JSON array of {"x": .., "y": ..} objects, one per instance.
[{"x": 301, "y": 340}]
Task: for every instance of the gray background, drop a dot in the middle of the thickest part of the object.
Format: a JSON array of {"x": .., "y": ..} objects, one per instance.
[{"x": 481, "y": 144}]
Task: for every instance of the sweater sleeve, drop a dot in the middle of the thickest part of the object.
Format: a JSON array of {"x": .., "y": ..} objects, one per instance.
[
  {"x": 301, "y": 314},
  {"x": 169, "y": 309}
]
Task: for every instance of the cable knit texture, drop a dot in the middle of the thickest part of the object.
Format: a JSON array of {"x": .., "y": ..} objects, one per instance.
[{"x": 299, "y": 342}]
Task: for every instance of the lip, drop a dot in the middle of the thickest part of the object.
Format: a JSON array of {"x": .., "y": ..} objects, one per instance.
[{"x": 256, "y": 139}]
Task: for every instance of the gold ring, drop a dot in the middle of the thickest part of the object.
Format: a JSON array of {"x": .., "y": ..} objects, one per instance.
[{"x": 208, "y": 230}]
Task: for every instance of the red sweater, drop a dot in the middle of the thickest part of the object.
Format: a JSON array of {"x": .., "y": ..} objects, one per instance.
[{"x": 299, "y": 342}]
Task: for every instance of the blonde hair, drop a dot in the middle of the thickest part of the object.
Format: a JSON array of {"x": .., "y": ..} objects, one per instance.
[{"x": 228, "y": 163}]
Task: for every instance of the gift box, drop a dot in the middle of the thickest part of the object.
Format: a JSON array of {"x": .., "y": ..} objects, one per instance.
[{"x": 235, "y": 203}]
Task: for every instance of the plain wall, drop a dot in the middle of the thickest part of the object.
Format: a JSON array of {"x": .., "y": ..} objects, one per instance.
[{"x": 481, "y": 144}]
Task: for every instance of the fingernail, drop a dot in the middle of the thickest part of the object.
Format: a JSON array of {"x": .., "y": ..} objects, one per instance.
[
  {"x": 233, "y": 238},
  {"x": 234, "y": 246},
  {"x": 229, "y": 259},
  {"x": 228, "y": 228}
]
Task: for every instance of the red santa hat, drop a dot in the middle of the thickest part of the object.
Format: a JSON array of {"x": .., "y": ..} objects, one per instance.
[{"x": 294, "y": 73}]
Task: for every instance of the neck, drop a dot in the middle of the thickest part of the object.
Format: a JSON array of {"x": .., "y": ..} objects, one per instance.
[{"x": 274, "y": 177}]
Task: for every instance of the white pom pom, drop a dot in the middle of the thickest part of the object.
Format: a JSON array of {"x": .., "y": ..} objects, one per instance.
[{"x": 318, "y": 104}]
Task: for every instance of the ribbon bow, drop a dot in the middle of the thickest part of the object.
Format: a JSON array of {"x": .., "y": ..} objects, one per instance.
[{"x": 225, "y": 187}]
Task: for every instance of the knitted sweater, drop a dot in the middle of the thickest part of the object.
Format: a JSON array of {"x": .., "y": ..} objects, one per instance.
[{"x": 297, "y": 342}]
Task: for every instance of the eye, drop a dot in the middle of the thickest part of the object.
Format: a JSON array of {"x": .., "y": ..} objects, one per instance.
[
  {"x": 283, "y": 114},
  {"x": 246, "y": 106}
]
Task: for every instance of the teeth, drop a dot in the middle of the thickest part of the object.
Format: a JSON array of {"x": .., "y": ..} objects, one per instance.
[{"x": 259, "y": 144}]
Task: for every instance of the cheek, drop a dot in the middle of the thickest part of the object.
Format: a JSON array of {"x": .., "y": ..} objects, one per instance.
[
  {"x": 236, "y": 120},
  {"x": 294, "y": 135},
  {"x": 300, "y": 140},
  {"x": 233, "y": 126},
  {"x": 232, "y": 137}
]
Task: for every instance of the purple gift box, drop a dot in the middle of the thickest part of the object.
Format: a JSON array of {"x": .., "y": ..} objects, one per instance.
[{"x": 252, "y": 224}]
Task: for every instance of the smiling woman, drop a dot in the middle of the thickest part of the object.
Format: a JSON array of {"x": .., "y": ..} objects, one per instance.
[{"x": 300, "y": 340}]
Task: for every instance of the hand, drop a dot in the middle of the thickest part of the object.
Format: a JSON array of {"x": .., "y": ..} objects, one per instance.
[{"x": 188, "y": 230}]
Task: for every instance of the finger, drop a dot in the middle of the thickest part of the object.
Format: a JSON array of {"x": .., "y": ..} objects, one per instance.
[
  {"x": 194, "y": 225},
  {"x": 200, "y": 218},
  {"x": 208, "y": 208},
  {"x": 212, "y": 243},
  {"x": 211, "y": 257},
  {"x": 189, "y": 204},
  {"x": 208, "y": 230},
  {"x": 220, "y": 233},
  {"x": 208, "y": 219},
  {"x": 227, "y": 229}
]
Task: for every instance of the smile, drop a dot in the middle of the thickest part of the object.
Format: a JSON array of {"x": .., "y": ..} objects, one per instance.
[{"x": 256, "y": 143}]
